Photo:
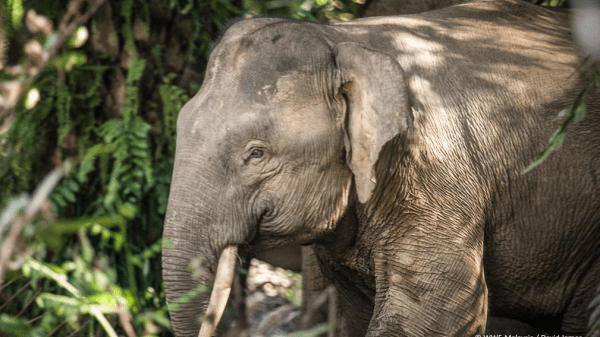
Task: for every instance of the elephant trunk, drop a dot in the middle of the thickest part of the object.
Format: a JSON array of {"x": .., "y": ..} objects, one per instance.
[
  {"x": 185, "y": 277},
  {"x": 190, "y": 254},
  {"x": 200, "y": 226}
]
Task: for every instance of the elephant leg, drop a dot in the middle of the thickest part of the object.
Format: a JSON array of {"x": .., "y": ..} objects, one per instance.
[
  {"x": 355, "y": 310},
  {"x": 354, "y": 297},
  {"x": 425, "y": 290},
  {"x": 313, "y": 284},
  {"x": 575, "y": 319}
]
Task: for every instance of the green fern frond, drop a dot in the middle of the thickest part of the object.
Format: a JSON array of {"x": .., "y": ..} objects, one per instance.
[
  {"x": 131, "y": 89},
  {"x": 173, "y": 98},
  {"x": 63, "y": 111},
  {"x": 87, "y": 163},
  {"x": 127, "y": 14}
]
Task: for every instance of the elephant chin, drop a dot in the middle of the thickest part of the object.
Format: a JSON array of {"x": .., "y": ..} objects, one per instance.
[{"x": 220, "y": 291}]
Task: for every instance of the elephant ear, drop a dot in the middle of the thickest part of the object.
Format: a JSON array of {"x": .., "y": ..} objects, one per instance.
[{"x": 378, "y": 108}]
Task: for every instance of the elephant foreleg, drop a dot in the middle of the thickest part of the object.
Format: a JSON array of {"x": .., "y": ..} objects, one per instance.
[{"x": 419, "y": 295}]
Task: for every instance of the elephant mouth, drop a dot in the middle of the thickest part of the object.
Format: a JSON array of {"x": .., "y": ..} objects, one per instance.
[{"x": 265, "y": 240}]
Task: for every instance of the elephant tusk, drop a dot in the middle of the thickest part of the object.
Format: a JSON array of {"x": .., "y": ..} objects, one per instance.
[{"x": 220, "y": 292}]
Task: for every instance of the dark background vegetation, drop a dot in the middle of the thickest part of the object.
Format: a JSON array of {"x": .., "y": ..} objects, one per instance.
[{"x": 91, "y": 90}]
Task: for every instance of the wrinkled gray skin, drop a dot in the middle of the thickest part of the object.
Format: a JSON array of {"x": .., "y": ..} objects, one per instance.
[{"x": 396, "y": 146}]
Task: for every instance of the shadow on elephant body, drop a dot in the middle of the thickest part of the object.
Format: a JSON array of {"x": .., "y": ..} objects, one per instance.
[
  {"x": 395, "y": 146},
  {"x": 505, "y": 326}
]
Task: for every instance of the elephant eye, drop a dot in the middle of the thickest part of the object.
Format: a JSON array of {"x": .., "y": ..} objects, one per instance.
[{"x": 256, "y": 153}]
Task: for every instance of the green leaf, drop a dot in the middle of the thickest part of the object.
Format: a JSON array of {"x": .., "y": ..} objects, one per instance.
[
  {"x": 113, "y": 127},
  {"x": 597, "y": 79},
  {"x": 127, "y": 27},
  {"x": 187, "y": 8},
  {"x": 17, "y": 326},
  {"x": 126, "y": 179},
  {"x": 87, "y": 164},
  {"x": 69, "y": 196},
  {"x": 68, "y": 266},
  {"x": 167, "y": 244},
  {"x": 103, "y": 298},
  {"x": 51, "y": 235},
  {"x": 47, "y": 300},
  {"x": 119, "y": 239},
  {"x": 125, "y": 169},
  {"x": 558, "y": 139},
  {"x": 58, "y": 199},
  {"x": 17, "y": 12},
  {"x": 78, "y": 37},
  {"x": 72, "y": 59},
  {"x": 580, "y": 112},
  {"x": 53, "y": 240},
  {"x": 43, "y": 270},
  {"x": 140, "y": 144},
  {"x": 128, "y": 210},
  {"x": 86, "y": 246},
  {"x": 139, "y": 153},
  {"x": 136, "y": 70},
  {"x": 140, "y": 128},
  {"x": 72, "y": 185},
  {"x": 158, "y": 316},
  {"x": 543, "y": 155}
]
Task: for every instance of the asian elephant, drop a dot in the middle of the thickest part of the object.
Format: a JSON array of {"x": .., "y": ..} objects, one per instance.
[{"x": 396, "y": 147}]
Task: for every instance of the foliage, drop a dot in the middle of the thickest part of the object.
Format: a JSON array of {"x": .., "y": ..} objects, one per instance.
[
  {"x": 311, "y": 10},
  {"x": 91, "y": 261},
  {"x": 294, "y": 293}
]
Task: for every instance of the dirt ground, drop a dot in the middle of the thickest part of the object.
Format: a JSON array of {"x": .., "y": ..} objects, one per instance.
[{"x": 273, "y": 305}]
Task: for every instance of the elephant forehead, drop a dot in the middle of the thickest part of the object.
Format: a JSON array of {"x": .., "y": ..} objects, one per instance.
[
  {"x": 296, "y": 106},
  {"x": 275, "y": 80},
  {"x": 289, "y": 99}
]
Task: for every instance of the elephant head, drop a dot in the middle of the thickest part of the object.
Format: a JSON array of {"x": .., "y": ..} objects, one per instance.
[{"x": 282, "y": 137}]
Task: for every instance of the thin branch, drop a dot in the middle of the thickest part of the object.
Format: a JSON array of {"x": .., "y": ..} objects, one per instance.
[
  {"x": 15, "y": 295},
  {"x": 9, "y": 282},
  {"x": 58, "y": 278},
  {"x": 80, "y": 328},
  {"x": 65, "y": 29},
  {"x": 40, "y": 316},
  {"x": 70, "y": 21},
  {"x": 125, "y": 320},
  {"x": 57, "y": 328},
  {"x": 40, "y": 195},
  {"x": 103, "y": 321},
  {"x": 30, "y": 301}
]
